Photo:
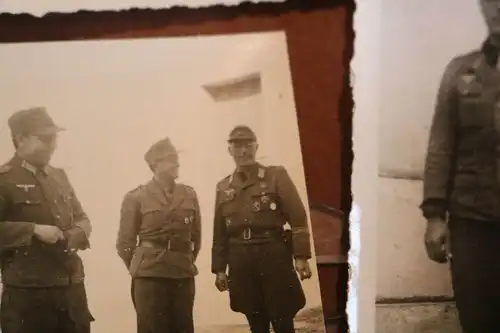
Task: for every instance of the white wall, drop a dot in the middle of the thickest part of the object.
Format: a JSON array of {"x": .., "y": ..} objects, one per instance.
[
  {"x": 118, "y": 97},
  {"x": 418, "y": 39}
]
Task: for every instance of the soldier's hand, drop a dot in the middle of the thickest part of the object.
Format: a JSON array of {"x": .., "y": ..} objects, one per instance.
[
  {"x": 302, "y": 267},
  {"x": 48, "y": 233},
  {"x": 436, "y": 236},
  {"x": 221, "y": 282}
]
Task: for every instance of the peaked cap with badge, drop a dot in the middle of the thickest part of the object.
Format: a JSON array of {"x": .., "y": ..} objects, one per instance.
[
  {"x": 251, "y": 211},
  {"x": 35, "y": 121}
]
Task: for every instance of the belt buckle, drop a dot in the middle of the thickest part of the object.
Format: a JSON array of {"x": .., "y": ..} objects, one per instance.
[{"x": 247, "y": 234}]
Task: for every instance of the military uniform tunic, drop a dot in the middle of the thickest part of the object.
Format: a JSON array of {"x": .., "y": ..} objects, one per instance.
[
  {"x": 249, "y": 240},
  {"x": 41, "y": 282},
  {"x": 462, "y": 182},
  {"x": 159, "y": 240}
]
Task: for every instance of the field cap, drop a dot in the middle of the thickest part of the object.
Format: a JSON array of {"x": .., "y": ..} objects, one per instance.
[
  {"x": 33, "y": 121},
  {"x": 159, "y": 150},
  {"x": 242, "y": 133}
]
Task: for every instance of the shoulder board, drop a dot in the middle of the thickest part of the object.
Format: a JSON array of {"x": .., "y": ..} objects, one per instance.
[
  {"x": 274, "y": 168},
  {"x": 473, "y": 54},
  {"x": 136, "y": 190},
  {"x": 471, "y": 57},
  {"x": 5, "y": 168},
  {"x": 189, "y": 189},
  {"x": 466, "y": 61},
  {"x": 54, "y": 170},
  {"x": 224, "y": 183}
]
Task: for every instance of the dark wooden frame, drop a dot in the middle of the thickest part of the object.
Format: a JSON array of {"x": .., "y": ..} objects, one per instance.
[{"x": 320, "y": 39}]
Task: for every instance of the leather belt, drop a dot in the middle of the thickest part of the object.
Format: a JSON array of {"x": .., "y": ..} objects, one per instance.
[
  {"x": 250, "y": 234},
  {"x": 169, "y": 245}
]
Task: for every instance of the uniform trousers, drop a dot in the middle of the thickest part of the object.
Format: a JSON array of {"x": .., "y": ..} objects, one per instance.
[
  {"x": 45, "y": 310},
  {"x": 264, "y": 286},
  {"x": 475, "y": 270},
  {"x": 164, "y": 305},
  {"x": 260, "y": 323}
]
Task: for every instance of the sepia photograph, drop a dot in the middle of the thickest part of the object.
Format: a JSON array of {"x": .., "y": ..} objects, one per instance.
[
  {"x": 439, "y": 218},
  {"x": 154, "y": 185}
]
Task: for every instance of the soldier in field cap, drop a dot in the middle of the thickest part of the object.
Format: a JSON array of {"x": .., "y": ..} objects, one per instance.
[
  {"x": 251, "y": 255},
  {"x": 42, "y": 228},
  {"x": 159, "y": 239}
]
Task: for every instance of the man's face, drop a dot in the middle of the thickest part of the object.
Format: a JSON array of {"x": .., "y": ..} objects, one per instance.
[
  {"x": 491, "y": 14},
  {"x": 243, "y": 152},
  {"x": 167, "y": 168},
  {"x": 37, "y": 148}
]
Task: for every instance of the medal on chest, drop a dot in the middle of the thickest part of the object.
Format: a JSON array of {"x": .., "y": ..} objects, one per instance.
[
  {"x": 468, "y": 83},
  {"x": 230, "y": 193}
]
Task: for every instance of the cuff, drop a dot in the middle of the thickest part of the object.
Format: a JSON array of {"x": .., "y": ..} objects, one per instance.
[{"x": 76, "y": 239}]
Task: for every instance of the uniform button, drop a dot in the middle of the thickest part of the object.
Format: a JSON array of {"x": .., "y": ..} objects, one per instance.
[
  {"x": 58, "y": 217},
  {"x": 28, "y": 202}
]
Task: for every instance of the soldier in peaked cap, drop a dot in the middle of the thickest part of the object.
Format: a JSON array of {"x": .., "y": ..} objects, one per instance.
[
  {"x": 252, "y": 206},
  {"x": 159, "y": 240},
  {"x": 42, "y": 228},
  {"x": 461, "y": 197}
]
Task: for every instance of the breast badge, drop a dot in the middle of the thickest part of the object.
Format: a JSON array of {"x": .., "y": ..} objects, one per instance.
[{"x": 230, "y": 194}]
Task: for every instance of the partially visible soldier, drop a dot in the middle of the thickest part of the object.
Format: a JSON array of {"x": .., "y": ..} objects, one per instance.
[
  {"x": 251, "y": 209},
  {"x": 462, "y": 179},
  {"x": 159, "y": 240},
  {"x": 42, "y": 227}
]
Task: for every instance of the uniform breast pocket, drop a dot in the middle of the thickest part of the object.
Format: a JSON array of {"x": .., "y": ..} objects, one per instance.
[
  {"x": 185, "y": 213},
  {"x": 475, "y": 111},
  {"x": 265, "y": 202},
  {"x": 228, "y": 206},
  {"x": 26, "y": 202},
  {"x": 152, "y": 217}
]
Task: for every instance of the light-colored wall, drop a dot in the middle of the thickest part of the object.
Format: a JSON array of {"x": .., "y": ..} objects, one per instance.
[
  {"x": 404, "y": 270},
  {"x": 418, "y": 39},
  {"x": 118, "y": 97}
]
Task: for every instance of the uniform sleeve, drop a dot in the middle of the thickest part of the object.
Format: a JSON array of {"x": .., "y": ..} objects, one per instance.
[
  {"x": 130, "y": 220},
  {"x": 12, "y": 234},
  {"x": 220, "y": 240},
  {"x": 196, "y": 229},
  {"x": 78, "y": 237},
  {"x": 441, "y": 145},
  {"x": 295, "y": 213}
]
